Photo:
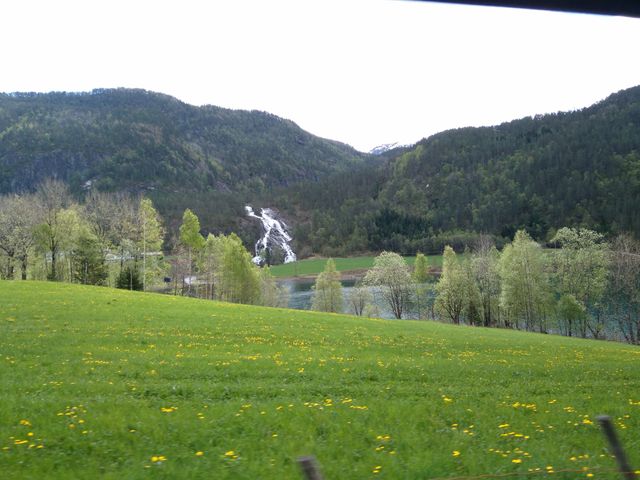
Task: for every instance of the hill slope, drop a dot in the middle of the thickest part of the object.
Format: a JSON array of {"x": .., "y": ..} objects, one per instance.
[
  {"x": 111, "y": 384},
  {"x": 578, "y": 168},
  {"x": 135, "y": 140}
]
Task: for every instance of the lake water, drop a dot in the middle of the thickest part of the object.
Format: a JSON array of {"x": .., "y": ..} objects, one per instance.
[{"x": 300, "y": 296}]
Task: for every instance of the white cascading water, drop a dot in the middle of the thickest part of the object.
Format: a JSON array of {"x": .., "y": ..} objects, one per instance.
[{"x": 275, "y": 233}]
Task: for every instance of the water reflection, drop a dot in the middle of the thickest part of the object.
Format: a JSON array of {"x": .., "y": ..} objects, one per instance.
[{"x": 301, "y": 292}]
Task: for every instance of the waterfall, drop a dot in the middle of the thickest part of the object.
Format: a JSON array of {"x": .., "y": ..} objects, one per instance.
[{"x": 275, "y": 233}]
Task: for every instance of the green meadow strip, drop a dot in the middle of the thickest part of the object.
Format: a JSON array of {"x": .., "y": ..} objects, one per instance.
[
  {"x": 101, "y": 383},
  {"x": 313, "y": 266}
]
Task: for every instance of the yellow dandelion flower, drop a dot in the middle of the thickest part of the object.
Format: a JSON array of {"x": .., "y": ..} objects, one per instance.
[
  {"x": 455, "y": 453},
  {"x": 199, "y": 453},
  {"x": 516, "y": 460}
]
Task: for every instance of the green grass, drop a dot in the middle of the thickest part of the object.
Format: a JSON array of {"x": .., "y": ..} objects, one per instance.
[
  {"x": 313, "y": 266},
  {"x": 95, "y": 382}
]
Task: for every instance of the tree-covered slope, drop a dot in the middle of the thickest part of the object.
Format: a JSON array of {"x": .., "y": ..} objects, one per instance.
[
  {"x": 139, "y": 140},
  {"x": 579, "y": 168},
  {"x": 576, "y": 168}
]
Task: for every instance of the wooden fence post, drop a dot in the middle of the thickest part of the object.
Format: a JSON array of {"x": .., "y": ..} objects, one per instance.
[
  {"x": 310, "y": 468},
  {"x": 616, "y": 447}
]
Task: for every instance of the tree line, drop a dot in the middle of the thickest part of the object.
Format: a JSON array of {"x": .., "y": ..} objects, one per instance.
[
  {"x": 116, "y": 240},
  {"x": 584, "y": 287}
]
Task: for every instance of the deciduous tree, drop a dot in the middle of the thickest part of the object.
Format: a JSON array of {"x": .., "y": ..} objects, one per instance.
[
  {"x": 151, "y": 236},
  {"x": 525, "y": 296},
  {"x": 624, "y": 290},
  {"x": 327, "y": 290},
  {"x": 421, "y": 268},
  {"x": 486, "y": 274},
  {"x": 17, "y": 222},
  {"x": 390, "y": 274},
  {"x": 359, "y": 297},
  {"x": 239, "y": 281},
  {"x": 451, "y": 288},
  {"x": 581, "y": 267},
  {"x": 191, "y": 239},
  {"x": 52, "y": 196}
]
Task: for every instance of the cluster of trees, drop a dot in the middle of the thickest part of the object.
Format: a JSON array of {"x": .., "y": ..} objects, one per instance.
[
  {"x": 110, "y": 239},
  {"x": 134, "y": 140},
  {"x": 220, "y": 268},
  {"x": 585, "y": 287},
  {"x": 115, "y": 239}
]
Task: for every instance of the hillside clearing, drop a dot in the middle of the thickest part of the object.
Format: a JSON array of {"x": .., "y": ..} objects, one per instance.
[{"x": 106, "y": 383}]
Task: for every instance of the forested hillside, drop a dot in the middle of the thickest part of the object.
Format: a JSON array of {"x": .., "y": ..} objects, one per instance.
[
  {"x": 141, "y": 141},
  {"x": 579, "y": 168},
  {"x": 123, "y": 139}
]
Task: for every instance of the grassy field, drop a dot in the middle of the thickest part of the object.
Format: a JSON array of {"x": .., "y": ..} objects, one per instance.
[
  {"x": 101, "y": 383},
  {"x": 313, "y": 266}
]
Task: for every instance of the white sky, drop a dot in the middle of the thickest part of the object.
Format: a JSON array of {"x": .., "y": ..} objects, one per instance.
[{"x": 364, "y": 72}]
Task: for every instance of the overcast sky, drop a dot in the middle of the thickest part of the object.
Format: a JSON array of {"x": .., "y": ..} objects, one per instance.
[{"x": 363, "y": 72}]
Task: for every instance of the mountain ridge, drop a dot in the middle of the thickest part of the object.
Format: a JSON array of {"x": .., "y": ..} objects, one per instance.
[
  {"x": 579, "y": 168},
  {"x": 134, "y": 139}
]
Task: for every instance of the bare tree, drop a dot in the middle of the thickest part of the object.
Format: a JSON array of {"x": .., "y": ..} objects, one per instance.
[
  {"x": 485, "y": 267},
  {"x": 359, "y": 297}
]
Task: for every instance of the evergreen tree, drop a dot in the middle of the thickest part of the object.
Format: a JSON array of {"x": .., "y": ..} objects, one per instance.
[
  {"x": 89, "y": 265},
  {"x": 129, "y": 278}
]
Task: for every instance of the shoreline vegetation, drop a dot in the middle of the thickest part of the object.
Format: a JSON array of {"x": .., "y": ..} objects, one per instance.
[{"x": 586, "y": 286}]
